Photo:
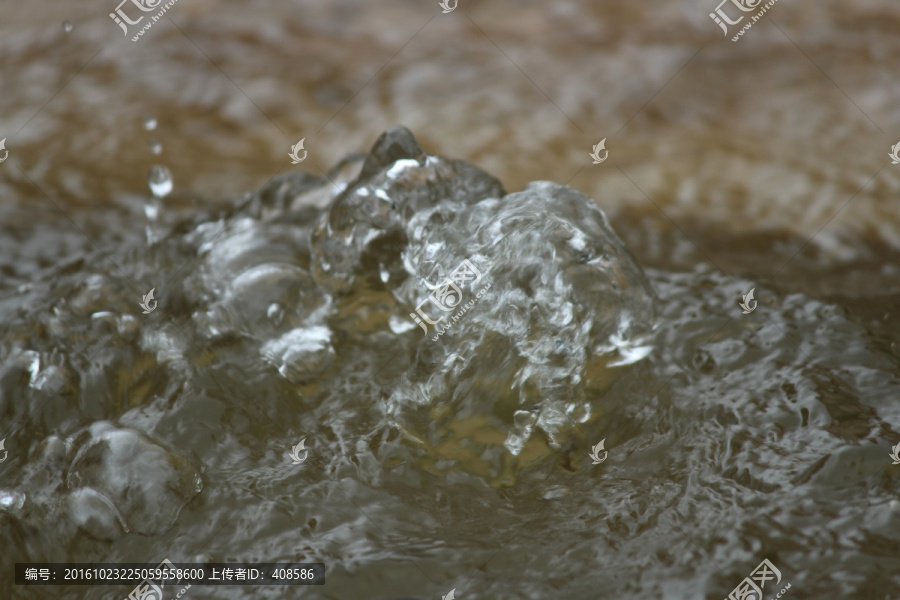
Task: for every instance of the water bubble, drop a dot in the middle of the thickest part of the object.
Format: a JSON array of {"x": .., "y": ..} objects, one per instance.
[
  {"x": 155, "y": 146},
  {"x": 160, "y": 181},
  {"x": 11, "y": 500},
  {"x": 121, "y": 478},
  {"x": 151, "y": 210},
  {"x": 149, "y": 122},
  {"x": 399, "y": 325},
  {"x": 301, "y": 354},
  {"x": 67, "y": 26},
  {"x": 275, "y": 313}
]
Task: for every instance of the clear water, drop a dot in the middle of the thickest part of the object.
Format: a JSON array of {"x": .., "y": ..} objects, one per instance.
[
  {"x": 462, "y": 462},
  {"x": 452, "y": 461}
]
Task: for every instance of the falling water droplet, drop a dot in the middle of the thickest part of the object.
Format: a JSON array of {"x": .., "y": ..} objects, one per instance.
[
  {"x": 151, "y": 210},
  {"x": 149, "y": 122},
  {"x": 275, "y": 313},
  {"x": 155, "y": 146},
  {"x": 160, "y": 181},
  {"x": 67, "y": 26}
]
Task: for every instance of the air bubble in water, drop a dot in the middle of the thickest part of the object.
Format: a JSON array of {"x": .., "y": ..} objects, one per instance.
[
  {"x": 67, "y": 26},
  {"x": 160, "y": 181},
  {"x": 149, "y": 122},
  {"x": 275, "y": 313},
  {"x": 155, "y": 147},
  {"x": 151, "y": 210}
]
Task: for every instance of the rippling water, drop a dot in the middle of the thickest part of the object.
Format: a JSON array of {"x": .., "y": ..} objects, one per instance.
[
  {"x": 457, "y": 457},
  {"x": 460, "y": 457}
]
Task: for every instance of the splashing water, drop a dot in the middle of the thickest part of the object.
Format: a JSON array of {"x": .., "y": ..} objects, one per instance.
[
  {"x": 160, "y": 181},
  {"x": 450, "y": 352}
]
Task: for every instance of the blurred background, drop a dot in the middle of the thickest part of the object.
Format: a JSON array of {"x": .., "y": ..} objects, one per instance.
[
  {"x": 748, "y": 149},
  {"x": 766, "y": 158}
]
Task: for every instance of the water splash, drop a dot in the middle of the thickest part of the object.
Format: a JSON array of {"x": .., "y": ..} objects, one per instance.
[
  {"x": 159, "y": 179},
  {"x": 557, "y": 291},
  {"x": 293, "y": 316}
]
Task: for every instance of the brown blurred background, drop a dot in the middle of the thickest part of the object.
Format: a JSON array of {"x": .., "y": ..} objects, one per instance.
[{"x": 735, "y": 154}]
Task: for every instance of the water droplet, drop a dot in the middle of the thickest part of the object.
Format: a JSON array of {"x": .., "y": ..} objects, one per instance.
[
  {"x": 67, "y": 26},
  {"x": 155, "y": 146},
  {"x": 160, "y": 181},
  {"x": 149, "y": 122},
  {"x": 556, "y": 492},
  {"x": 275, "y": 313},
  {"x": 151, "y": 209},
  {"x": 399, "y": 325},
  {"x": 11, "y": 500}
]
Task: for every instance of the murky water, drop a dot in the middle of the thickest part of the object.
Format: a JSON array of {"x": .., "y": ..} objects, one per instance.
[{"x": 457, "y": 457}]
